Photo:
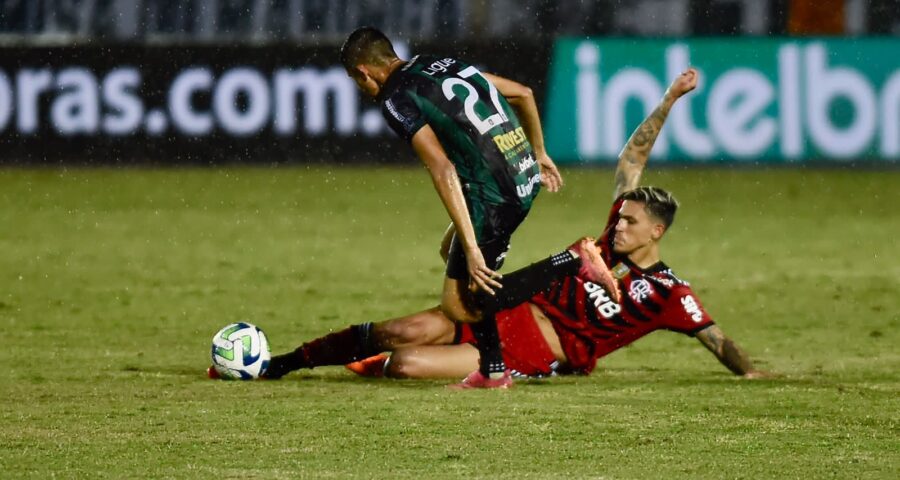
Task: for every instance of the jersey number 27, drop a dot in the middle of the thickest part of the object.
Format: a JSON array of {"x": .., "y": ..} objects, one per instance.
[{"x": 480, "y": 124}]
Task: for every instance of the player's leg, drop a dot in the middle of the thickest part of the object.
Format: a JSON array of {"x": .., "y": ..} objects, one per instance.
[
  {"x": 358, "y": 342},
  {"x": 462, "y": 305},
  {"x": 428, "y": 327},
  {"x": 432, "y": 361},
  {"x": 582, "y": 257},
  {"x": 530, "y": 347}
]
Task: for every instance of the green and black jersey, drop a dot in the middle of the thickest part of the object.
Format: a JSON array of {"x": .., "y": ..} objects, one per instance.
[{"x": 474, "y": 123}]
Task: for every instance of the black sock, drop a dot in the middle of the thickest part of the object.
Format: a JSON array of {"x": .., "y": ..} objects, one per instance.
[
  {"x": 518, "y": 287},
  {"x": 521, "y": 285},
  {"x": 485, "y": 331}
]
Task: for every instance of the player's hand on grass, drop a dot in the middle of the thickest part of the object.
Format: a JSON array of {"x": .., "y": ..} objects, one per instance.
[
  {"x": 550, "y": 176},
  {"x": 685, "y": 82},
  {"x": 480, "y": 276}
]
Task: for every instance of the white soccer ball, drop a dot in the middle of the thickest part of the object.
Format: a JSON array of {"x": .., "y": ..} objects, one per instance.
[{"x": 240, "y": 351}]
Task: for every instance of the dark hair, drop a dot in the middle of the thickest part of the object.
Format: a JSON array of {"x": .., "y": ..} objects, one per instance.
[
  {"x": 366, "y": 45},
  {"x": 657, "y": 202}
]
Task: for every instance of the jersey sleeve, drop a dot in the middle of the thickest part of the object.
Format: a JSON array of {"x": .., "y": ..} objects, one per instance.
[
  {"x": 684, "y": 313},
  {"x": 606, "y": 238},
  {"x": 403, "y": 115}
]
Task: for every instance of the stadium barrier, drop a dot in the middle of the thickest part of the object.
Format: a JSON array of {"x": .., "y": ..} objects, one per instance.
[
  {"x": 760, "y": 99},
  {"x": 206, "y": 104}
]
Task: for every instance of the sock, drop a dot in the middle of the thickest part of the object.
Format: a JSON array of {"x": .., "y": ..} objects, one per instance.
[
  {"x": 521, "y": 285},
  {"x": 491, "y": 362},
  {"x": 518, "y": 287},
  {"x": 339, "y": 348}
]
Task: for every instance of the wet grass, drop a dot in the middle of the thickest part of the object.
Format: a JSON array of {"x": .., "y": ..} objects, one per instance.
[{"x": 112, "y": 283}]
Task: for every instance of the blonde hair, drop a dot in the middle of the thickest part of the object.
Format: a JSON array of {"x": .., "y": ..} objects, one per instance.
[{"x": 657, "y": 202}]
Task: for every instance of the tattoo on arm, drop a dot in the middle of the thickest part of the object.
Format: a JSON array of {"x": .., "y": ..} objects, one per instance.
[
  {"x": 714, "y": 341},
  {"x": 735, "y": 359},
  {"x": 621, "y": 179},
  {"x": 636, "y": 152},
  {"x": 728, "y": 353}
]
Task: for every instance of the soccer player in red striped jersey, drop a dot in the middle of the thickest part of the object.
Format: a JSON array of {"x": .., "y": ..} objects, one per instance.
[{"x": 568, "y": 327}]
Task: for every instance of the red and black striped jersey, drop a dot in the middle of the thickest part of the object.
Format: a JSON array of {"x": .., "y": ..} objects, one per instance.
[{"x": 590, "y": 325}]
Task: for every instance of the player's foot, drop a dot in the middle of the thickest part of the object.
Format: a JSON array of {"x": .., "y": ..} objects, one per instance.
[
  {"x": 593, "y": 268},
  {"x": 278, "y": 367},
  {"x": 212, "y": 373},
  {"x": 369, "y": 367},
  {"x": 477, "y": 380}
]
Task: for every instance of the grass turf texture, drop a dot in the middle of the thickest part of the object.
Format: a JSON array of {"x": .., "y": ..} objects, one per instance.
[{"x": 112, "y": 283}]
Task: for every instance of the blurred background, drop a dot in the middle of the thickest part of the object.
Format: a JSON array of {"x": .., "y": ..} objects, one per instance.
[{"x": 258, "y": 81}]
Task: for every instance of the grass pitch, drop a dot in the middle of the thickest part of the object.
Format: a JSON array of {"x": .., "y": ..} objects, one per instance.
[{"x": 112, "y": 283}]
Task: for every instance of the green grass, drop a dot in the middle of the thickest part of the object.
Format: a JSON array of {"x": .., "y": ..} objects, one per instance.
[{"x": 112, "y": 283}]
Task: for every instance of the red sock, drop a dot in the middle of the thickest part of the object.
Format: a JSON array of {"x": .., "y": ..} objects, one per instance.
[{"x": 338, "y": 348}]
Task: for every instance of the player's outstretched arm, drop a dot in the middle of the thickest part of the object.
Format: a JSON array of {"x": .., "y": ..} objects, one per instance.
[
  {"x": 636, "y": 152},
  {"x": 443, "y": 174},
  {"x": 521, "y": 98},
  {"x": 728, "y": 353}
]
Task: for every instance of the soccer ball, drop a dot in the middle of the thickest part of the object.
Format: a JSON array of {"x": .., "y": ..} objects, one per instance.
[{"x": 240, "y": 351}]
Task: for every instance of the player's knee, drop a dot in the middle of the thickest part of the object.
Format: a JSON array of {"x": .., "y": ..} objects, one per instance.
[{"x": 403, "y": 364}]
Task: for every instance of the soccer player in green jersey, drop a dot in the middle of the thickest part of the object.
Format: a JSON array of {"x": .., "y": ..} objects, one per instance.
[{"x": 480, "y": 137}]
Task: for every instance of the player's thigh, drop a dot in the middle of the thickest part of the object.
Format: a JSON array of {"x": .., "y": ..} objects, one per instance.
[
  {"x": 493, "y": 250},
  {"x": 456, "y": 301},
  {"x": 433, "y": 361},
  {"x": 545, "y": 326},
  {"x": 428, "y": 327}
]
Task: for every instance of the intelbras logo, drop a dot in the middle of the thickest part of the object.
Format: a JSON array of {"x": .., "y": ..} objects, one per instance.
[{"x": 757, "y": 99}]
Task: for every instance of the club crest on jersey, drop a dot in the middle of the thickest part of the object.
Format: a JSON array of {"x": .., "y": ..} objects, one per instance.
[
  {"x": 639, "y": 290},
  {"x": 620, "y": 270}
]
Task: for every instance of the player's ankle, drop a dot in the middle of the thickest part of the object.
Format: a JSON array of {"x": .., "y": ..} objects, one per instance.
[{"x": 493, "y": 369}]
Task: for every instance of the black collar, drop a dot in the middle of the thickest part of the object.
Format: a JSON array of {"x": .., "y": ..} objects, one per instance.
[{"x": 655, "y": 268}]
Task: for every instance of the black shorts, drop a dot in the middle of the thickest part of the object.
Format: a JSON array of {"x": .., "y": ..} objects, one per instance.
[{"x": 493, "y": 233}]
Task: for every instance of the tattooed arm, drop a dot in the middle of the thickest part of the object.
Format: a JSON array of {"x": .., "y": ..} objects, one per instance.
[
  {"x": 728, "y": 352},
  {"x": 634, "y": 156}
]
